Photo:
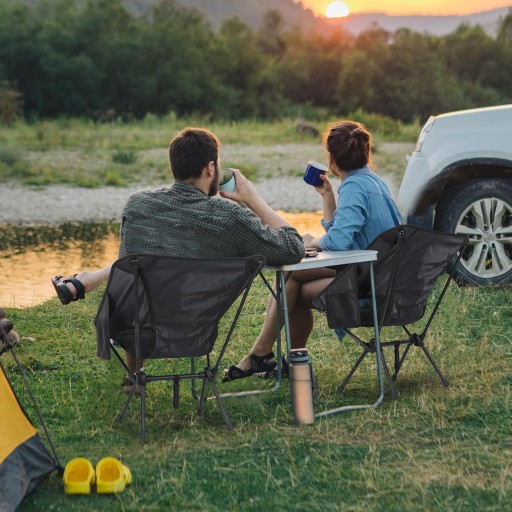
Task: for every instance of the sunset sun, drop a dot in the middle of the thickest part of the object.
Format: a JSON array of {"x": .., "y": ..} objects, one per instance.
[{"x": 337, "y": 10}]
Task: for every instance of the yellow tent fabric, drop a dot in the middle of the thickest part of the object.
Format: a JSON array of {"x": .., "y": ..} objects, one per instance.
[
  {"x": 15, "y": 428},
  {"x": 24, "y": 459}
]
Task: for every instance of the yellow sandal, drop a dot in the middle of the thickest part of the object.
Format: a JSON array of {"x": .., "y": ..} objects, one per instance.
[
  {"x": 78, "y": 476},
  {"x": 112, "y": 476}
]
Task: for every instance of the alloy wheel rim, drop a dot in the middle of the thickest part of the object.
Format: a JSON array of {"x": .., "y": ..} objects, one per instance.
[{"x": 488, "y": 223}]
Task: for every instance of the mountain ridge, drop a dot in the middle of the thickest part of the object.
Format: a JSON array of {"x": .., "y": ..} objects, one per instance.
[
  {"x": 433, "y": 24},
  {"x": 295, "y": 14}
]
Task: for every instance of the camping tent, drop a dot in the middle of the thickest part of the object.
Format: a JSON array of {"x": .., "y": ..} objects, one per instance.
[{"x": 24, "y": 459}]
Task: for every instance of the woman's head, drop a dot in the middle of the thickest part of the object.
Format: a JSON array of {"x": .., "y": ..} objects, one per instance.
[{"x": 348, "y": 144}]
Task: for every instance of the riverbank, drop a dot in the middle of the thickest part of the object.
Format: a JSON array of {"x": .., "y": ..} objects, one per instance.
[{"x": 57, "y": 204}]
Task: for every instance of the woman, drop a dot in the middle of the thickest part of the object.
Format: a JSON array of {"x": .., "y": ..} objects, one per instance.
[{"x": 364, "y": 209}]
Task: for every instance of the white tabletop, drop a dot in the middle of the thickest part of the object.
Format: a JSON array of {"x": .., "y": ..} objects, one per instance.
[{"x": 330, "y": 258}]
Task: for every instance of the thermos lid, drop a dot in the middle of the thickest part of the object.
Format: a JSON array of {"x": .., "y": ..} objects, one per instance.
[{"x": 298, "y": 355}]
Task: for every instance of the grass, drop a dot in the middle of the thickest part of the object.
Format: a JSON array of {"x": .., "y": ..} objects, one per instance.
[
  {"x": 433, "y": 449},
  {"x": 86, "y": 154}
]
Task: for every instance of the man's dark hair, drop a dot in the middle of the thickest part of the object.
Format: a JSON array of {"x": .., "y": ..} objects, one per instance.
[
  {"x": 349, "y": 144},
  {"x": 190, "y": 151}
]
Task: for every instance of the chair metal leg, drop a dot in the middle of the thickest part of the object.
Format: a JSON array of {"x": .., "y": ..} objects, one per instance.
[
  {"x": 392, "y": 389},
  {"x": 434, "y": 364},
  {"x": 176, "y": 392},
  {"x": 397, "y": 360},
  {"x": 341, "y": 387},
  {"x": 201, "y": 399},
  {"x": 400, "y": 361},
  {"x": 142, "y": 433},
  {"x": 120, "y": 416},
  {"x": 223, "y": 411}
]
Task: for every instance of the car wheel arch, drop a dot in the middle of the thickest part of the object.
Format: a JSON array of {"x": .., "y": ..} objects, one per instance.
[{"x": 457, "y": 173}]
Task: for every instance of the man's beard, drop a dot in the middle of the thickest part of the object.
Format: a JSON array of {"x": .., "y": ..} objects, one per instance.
[{"x": 214, "y": 185}]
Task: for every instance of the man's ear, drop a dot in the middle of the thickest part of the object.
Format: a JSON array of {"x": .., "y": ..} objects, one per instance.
[{"x": 209, "y": 169}]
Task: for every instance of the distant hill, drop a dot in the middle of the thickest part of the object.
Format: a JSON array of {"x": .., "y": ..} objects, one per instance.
[
  {"x": 435, "y": 25},
  {"x": 294, "y": 14}
]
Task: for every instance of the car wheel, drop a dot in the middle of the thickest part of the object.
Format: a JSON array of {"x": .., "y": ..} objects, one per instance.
[{"x": 481, "y": 209}]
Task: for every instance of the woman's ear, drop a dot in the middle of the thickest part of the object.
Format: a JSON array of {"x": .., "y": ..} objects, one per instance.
[{"x": 331, "y": 165}]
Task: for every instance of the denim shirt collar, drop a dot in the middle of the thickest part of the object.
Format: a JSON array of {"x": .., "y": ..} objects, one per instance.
[{"x": 362, "y": 170}]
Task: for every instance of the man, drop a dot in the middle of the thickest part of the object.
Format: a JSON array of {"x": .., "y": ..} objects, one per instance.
[{"x": 186, "y": 220}]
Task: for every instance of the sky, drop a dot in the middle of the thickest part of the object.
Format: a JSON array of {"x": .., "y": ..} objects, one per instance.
[{"x": 406, "y": 7}]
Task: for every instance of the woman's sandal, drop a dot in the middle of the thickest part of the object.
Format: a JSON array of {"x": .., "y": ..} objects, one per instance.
[
  {"x": 272, "y": 374},
  {"x": 64, "y": 293},
  {"x": 259, "y": 364}
]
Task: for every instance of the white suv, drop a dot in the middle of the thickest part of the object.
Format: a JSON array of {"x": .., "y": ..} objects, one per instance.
[{"x": 459, "y": 180}]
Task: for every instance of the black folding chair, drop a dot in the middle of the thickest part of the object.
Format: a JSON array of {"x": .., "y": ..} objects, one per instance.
[
  {"x": 410, "y": 260},
  {"x": 158, "y": 307}
]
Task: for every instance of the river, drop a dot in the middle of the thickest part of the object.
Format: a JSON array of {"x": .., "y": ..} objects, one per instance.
[{"x": 31, "y": 256}]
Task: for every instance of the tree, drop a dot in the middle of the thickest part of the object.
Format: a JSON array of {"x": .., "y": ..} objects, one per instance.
[
  {"x": 505, "y": 30},
  {"x": 245, "y": 72},
  {"x": 270, "y": 38}
]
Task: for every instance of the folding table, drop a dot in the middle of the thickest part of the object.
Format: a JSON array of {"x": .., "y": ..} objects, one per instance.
[{"x": 327, "y": 259}]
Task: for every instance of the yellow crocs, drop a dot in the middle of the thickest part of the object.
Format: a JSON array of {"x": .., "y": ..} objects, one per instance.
[
  {"x": 78, "y": 476},
  {"x": 111, "y": 476}
]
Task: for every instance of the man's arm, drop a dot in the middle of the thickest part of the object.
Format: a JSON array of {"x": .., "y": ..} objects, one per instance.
[{"x": 246, "y": 193}]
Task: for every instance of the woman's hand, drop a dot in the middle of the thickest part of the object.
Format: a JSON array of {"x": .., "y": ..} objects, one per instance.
[
  {"x": 310, "y": 240},
  {"x": 325, "y": 187}
]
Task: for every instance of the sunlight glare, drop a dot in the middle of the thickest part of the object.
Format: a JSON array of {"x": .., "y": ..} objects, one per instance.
[{"x": 337, "y": 10}]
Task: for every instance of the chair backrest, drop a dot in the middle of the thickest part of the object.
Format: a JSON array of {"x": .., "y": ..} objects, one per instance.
[
  {"x": 171, "y": 305},
  {"x": 410, "y": 260}
]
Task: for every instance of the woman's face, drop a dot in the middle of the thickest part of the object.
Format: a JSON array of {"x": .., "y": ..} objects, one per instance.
[{"x": 331, "y": 165}]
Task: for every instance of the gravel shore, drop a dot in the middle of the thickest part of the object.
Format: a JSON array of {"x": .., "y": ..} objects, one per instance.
[{"x": 58, "y": 204}]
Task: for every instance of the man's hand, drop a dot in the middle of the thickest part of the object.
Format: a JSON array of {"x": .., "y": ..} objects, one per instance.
[
  {"x": 246, "y": 193},
  {"x": 310, "y": 240}
]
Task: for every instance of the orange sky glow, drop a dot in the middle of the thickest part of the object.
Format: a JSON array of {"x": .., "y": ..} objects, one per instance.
[{"x": 406, "y": 7}]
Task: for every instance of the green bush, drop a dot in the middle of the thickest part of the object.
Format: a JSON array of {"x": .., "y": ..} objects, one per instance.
[
  {"x": 113, "y": 178},
  {"x": 87, "y": 182},
  {"x": 124, "y": 156},
  {"x": 10, "y": 156}
]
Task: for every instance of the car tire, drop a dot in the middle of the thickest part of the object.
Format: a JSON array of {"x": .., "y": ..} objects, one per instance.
[{"x": 481, "y": 209}]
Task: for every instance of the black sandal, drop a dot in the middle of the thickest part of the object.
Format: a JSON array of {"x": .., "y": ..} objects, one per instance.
[
  {"x": 272, "y": 374},
  {"x": 64, "y": 293},
  {"x": 259, "y": 364}
]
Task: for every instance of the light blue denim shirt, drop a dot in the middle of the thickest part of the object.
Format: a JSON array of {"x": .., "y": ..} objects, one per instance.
[{"x": 365, "y": 209}]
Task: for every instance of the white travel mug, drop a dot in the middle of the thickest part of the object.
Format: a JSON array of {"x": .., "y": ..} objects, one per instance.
[{"x": 302, "y": 386}]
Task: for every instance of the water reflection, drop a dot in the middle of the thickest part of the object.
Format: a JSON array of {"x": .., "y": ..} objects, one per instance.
[{"x": 30, "y": 256}]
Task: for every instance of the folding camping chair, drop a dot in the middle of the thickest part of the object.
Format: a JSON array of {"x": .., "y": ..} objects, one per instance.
[
  {"x": 162, "y": 307},
  {"x": 410, "y": 260}
]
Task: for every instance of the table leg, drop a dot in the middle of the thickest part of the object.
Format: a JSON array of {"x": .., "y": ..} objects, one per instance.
[
  {"x": 279, "y": 295},
  {"x": 378, "y": 355}
]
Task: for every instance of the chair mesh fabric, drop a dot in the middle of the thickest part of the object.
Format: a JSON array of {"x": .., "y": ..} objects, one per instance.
[
  {"x": 180, "y": 303},
  {"x": 410, "y": 260}
]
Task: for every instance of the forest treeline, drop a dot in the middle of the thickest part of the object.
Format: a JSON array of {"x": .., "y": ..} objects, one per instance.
[{"x": 99, "y": 60}]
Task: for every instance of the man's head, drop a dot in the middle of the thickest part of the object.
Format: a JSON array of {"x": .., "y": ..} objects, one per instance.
[{"x": 191, "y": 151}]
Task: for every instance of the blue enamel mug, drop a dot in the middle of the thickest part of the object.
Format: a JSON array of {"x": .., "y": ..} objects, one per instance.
[{"x": 312, "y": 174}]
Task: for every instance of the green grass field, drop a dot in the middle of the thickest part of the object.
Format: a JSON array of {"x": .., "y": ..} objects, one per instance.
[
  {"x": 433, "y": 449},
  {"x": 86, "y": 154}
]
